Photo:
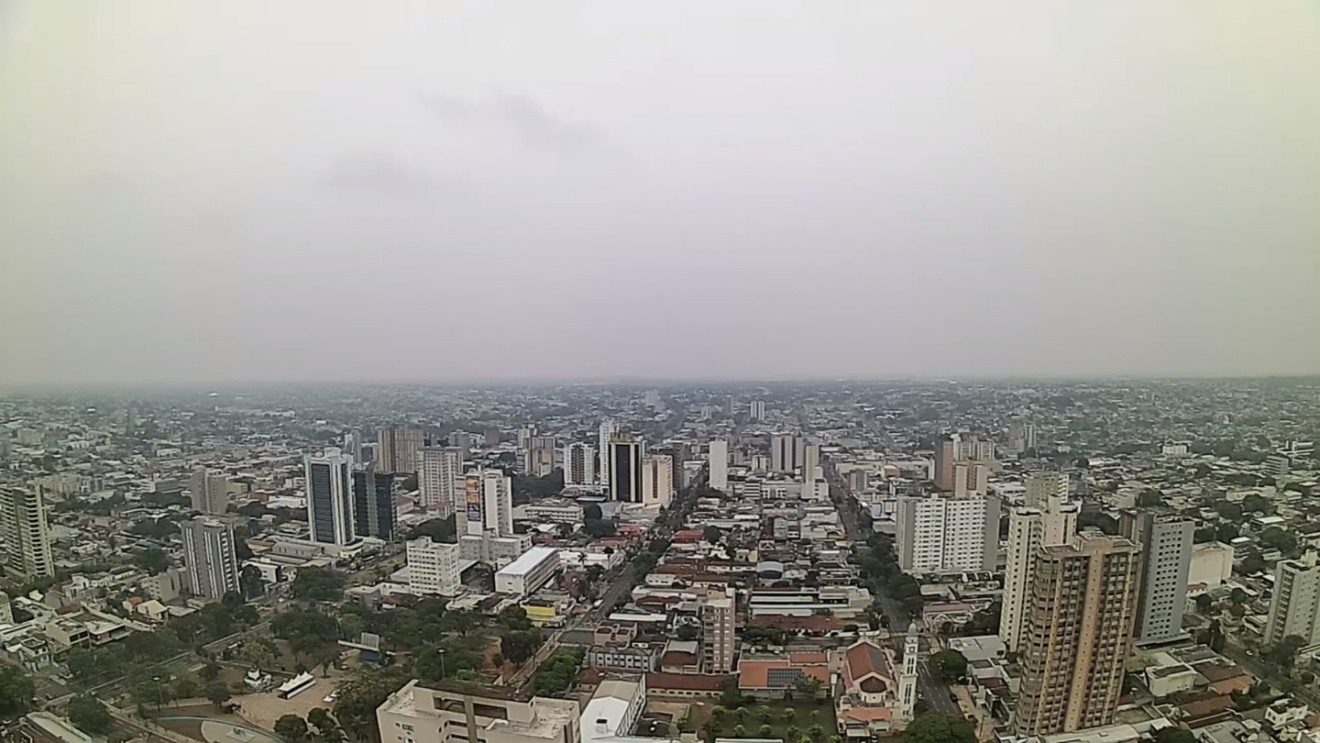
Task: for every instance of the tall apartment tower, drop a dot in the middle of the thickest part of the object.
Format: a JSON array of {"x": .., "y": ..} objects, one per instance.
[
  {"x": 1078, "y": 630},
  {"x": 539, "y": 459},
  {"x": 399, "y": 449},
  {"x": 433, "y": 568},
  {"x": 718, "y": 461},
  {"x": 657, "y": 480},
  {"x": 24, "y": 537},
  {"x": 210, "y": 492},
  {"x": 1045, "y": 519},
  {"x": 943, "y": 534},
  {"x": 1295, "y": 606},
  {"x": 579, "y": 464},
  {"x": 787, "y": 452},
  {"x": 440, "y": 479},
  {"x": 488, "y": 505},
  {"x": 209, "y": 557},
  {"x": 946, "y": 451},
  {"x": 626, "y": 465},
  {"x": 718, "y": 625},
  {"x": 756, "y": 410},
  {"x": 330, "y": 497},
  {"x": 374, "y": 514},
  {"x": 810, "y": 461},
  {"x": 1166, "y": 557},
  {"x": 607, "y": 431}
]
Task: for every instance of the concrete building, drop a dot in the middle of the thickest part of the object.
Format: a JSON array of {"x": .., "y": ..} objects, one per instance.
[
  {"x": 488, "y": 503},
  {"x": 1077, "y": 634},
  {"x": 1295, "y": 606},
  {"x": 209, "y": 558},
  {"x": 1046, "y": 518},
  {"x": 719, "y": 639},
  {"x": 539, "y": 458},
  {"x": 491, "y": 549},
  {"x": 944, "y": 534},
  {"x": 434, "y": 568},
  {"x": 399, "y": 449},
  {"x": 1211, "y": 565},
  {"x": 756, "y": 410},
  {"x": 210, "y": 492},
  {"x": 1166, "y": 555},
  {"x": 626, "y": 468},
  {"x": 718, "y": 461},
  {"x": 415, "y": 714},
  {"x": 607, "y": 431},
  {"x": 786, "y": 452},
  {"x": 524, "y": 576},
  {"x": 24, "y": 534},
  {"x": 440, "y": 479},
  {"x": 579, "y": 464},
  {"x": 330, "y": 497},
  {"x": 657, "y": 480},
  {"x": 374, "y": 514},
  {"x": 945, "y": 452},
  {"x": 970, "y": 477}
]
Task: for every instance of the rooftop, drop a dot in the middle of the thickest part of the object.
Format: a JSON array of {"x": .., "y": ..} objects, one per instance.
[{"x": 528, "y": 560}]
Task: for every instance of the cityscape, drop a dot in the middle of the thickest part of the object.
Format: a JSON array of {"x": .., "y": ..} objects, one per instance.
[{"x": 1016, "y": 561}]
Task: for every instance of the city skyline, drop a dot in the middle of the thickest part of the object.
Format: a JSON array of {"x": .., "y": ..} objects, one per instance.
[{"x": 926, "y": 203}]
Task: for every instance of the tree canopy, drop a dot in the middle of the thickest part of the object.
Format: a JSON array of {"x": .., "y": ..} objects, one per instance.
[{"x": 933, "y": 727}]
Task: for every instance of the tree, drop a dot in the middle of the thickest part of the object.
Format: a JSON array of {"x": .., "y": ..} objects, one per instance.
[
  {"x": 1228, "y": 510},
  {"x": 515, "y": 617},
  {"x": 591, "y": 512},
  {"x": 251, "y": 583},
  {"x": 1203, "y": 603},
  {"x": 319, "y": 718},
  {"x": 816, "y": 733},
  {"x": 1175, "y": 735},
  {"x": 731, "y": 696},
  {"x": 1149, "y": 498},
  {"x": 793, "y": 733},
  {"x": 1238, "y": 596},
  {"x": 291, "y": 728},
  {"x": 517, "y": 647},
  {"x": 765, "y": 731},
  {"x": 360, "y": 695},
  {"x": 739, "y": 731},
  {"x": 185, "y": 688},
  {"x": 218, "y": 692},
  {"x": 712, "y": 534},
  {"x": 687, "y": 632},
  {"x": 932, "y": 727},
  {"x": 90, "y": 715},
  {"x": 210, "y": 671},
  {"x": 1227, "y": 532},
  {"x": 1285, "y": 652},
  {"x": 1279, "y": 539},
  {"x": 1203, "y": 535},
  {"x": 318, "y": 584},
  {"x": 152, "y": 560},
  {"x": 810, "y": 687}
]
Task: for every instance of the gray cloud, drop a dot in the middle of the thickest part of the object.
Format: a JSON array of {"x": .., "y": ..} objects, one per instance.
[
  {"x": 387, "y": 175},
  {"x": 526, "y": 119}
]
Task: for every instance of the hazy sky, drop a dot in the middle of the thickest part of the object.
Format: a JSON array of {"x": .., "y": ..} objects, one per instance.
[{"x": 323, "y": 190}]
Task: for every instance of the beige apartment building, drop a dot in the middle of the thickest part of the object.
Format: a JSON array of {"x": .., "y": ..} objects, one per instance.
[
  {"x": 1078, "y": 627},
  {"x": 415, "y": 714}
]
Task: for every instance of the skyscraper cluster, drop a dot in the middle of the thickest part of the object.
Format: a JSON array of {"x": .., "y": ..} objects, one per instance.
[
  {"x": 963, "y": 464},
  {"x": 346, "y": 502}
]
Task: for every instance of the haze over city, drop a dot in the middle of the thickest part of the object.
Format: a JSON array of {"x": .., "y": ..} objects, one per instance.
[{"x": 311, "y": 191}]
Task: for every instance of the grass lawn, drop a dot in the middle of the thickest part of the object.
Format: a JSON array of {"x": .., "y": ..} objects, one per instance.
[{"x": 776, "y": 715}]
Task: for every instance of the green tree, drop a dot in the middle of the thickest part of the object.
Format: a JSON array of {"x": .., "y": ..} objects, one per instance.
[
  {"x": 515, "y": 618},
  {"x": 793, "y": 733},
  {"x": 765, "y": 731},
  {"x": 251, "y": 583},
  {"x": 360, "y": 695},
  {"x": 320, "y": 719},
  {"x": 218, "y": 692},
  {"x": 950, "y": 665},
  {"x": 185, "y": 688},
  {"x": 591, "y": 512},
  {"x": 731, "y": 696},
  {"x": 1203, "y": 603},
  {"x": 318, "y": 584},
  {"x": 932, "y": 727},
  {"x": 687, "y": 632},
  {"x": 712, "y": 534},
  {"x": 1228, "y": 510},
  {"x": 1285, "y": 652},
  {"x": 90, "y": 715},
  {"x": 739, "y": 731},
  {"x": 291, "y": 728},
  {"x": 152, "y": 560},
  {"x": 1175, "y": 735},
  {"x": 816, "y": 733},
  {"x": 1227, "y": 532},
  {"x": 1204, "y": 535},
  {"x": 517, "y": 647}
]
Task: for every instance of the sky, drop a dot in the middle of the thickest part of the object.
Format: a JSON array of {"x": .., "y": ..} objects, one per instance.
[{"x": 328, "y": 190}]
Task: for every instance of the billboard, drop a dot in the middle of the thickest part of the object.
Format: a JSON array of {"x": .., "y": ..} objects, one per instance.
[{"x": 473, "y": 488}]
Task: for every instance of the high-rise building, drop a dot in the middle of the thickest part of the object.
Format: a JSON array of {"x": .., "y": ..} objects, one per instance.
[
  {"x": 810, "y": 462},
  {"x": 24, "y": 535},
  {"x": 943, "y": 534},
  {"x": 607, "y": 431},
  {"x": 1078, "y": 631},
  {"x": 657, "y": 479},
  {"x": 441, "y": 479},
  {"x": 1045, "y": 519},
  {"x": 970, "y": 477},
  {"x": 415, "y": 714},
  {"x": 1166, "y": 558},
  {"x": 756, "y": 411},
  {"x": 433, "y": 568},
  {"x": 374, "y": 514},
  {"x": 488, "y": 503},
  {"x": 330, "y": 497},
  {"x": 626, "y": 463},
  {"x": 718, "y": 461},
  {"x": 1295, "y": 606},
  {"x": 209, "y": 558},
  {"x": 946, "y": 450},
  {"x": 579, "y": 465},
  {"x": 540, "y": 456},
  {"x": 718, "y": 629},
  {"x": 353, "y": 442},
  {"x": 210, "y": 492},
  {"x": 785, "y": 452},
  {"x": 399, "y": 449}
]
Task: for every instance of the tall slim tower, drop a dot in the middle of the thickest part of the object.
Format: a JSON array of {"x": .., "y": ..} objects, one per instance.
[
  {"x": 539, "y": 459},
  {"x": 399, "y": 449},
  {"x": 24, "y": 538},
  {"x": 579, "y": 465},
  {"x": 488, "y": 503},
  {"x": 209, "y": 557},
  {"x": 210, "y": 493},
  {"x": 946, "y": 450},
  {"x": 907, "y": 683},
  {"x": 1295, "y": 606},
  {"x": 810, "y": 461},
  {"x": 441, "y": 478},
  {"x": 374, "y": 513},
  {"x": 607, "y": 431},
  {"x": 330, "y": 497},
  {"x": 1080, "y": 616},
  {"x": 783, "y": 452},
  {"x": 718, "y": 459},
  {"x": 657, "y": 479},
  {"x": 1166, "y": 558},
  {"x": 718, "y": 624},
  {"x": 1046, "y": 519},
  {"x": 626, "y": 463}
]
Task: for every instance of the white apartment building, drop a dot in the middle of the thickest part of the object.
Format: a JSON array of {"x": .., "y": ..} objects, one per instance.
[
  {"x": 488, "y": 503},
  {"x": 1045, "y": 519},
  {"x": 209, "y": 558},
  {"x": 210, "y": 492},
  {"x": 718, "y": 629},
  {"x": 1166, "y": 556},
  {"x": 608, "y": 429},
  {"x": 579, "y": 464},
  {"x": 944, "y": 534},
  {"x": 24, "y": 535},
  {"x": 657, "y": 480},
  {"x": 718, "y": 460},
  {"x": 529, "y": 572},
  {"x": 415, "y": 714},
  {"x": 1295, "y": 606},
  {"x": 434, "y": 568},
  {"x": 441, "y": 479}
]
